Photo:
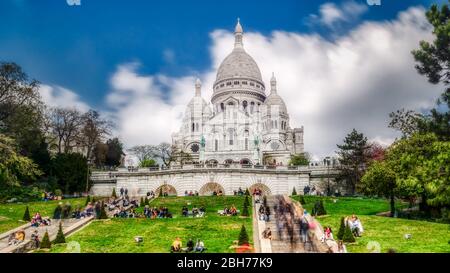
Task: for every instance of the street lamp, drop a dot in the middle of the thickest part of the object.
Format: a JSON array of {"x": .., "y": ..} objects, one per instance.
[{"x": 88, "y": 162}]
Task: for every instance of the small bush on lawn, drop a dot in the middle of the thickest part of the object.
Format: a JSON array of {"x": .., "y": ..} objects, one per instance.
[{"x": 26, "y": 215}]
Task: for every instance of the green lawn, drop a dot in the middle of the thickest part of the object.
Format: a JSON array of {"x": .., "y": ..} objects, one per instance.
[
  {"x": 385, "y": 231},
  {"x": 11, "y": 214},
  {"x": 117, "y": 235}
]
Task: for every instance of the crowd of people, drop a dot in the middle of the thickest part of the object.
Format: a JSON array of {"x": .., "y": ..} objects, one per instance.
[
  {"x": 191, "y": 193},
  {"x": 239, "y": 192},
  {"x": 38, "y": 220},
  {"x": 231, "y": 211},
  {"x": 153, "y": 213},
  {"x": 196, "y": 212},
  {"x": 177, "y": 246}
]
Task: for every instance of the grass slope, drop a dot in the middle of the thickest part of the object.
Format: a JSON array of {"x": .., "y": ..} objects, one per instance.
[
  {"x": 117, "y": 235},
  {"x": 385, "y": 231},
  {"x": 11, "y": 214}
]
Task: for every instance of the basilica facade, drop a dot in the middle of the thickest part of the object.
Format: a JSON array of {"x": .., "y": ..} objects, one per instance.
[{"x": 243, "y": 123}]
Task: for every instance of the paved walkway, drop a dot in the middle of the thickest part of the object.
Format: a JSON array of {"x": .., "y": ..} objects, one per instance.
[{"x": 68, "y": 225}]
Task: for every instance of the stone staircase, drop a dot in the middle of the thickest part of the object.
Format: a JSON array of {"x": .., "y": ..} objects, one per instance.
[{"x": 286, "y": 238}]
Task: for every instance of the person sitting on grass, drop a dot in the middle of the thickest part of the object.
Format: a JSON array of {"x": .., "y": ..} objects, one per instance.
[
  {"x": 195, "y": 212},
  {"x": 233, "y": 211},
  {"x": 176, "y": 245},
  {"x": 199, "y": 246},
  {"x": 190, "y": 245},
  {"x": 185, "y": 211},
  {"x": 267, "y": 233},
  {"x": 356, "y": 226}
]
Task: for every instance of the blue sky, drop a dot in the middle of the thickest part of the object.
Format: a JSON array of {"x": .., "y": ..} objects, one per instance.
[
  {"x": 91, "y": 54},
  {"x": 80, "y": 46}
]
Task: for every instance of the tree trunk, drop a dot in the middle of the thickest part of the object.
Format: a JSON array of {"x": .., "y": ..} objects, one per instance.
[{"x": 392, "y": 205}]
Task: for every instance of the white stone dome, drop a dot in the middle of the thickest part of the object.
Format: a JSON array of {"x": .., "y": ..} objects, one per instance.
[{"x": 238, "y": 64}]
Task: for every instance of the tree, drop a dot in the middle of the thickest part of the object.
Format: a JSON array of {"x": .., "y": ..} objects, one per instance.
[
  {"x": 247, "y": 192},
  {"x": 94, "y": 129},
  {"x": 243, "y": 236},
  {"x": 348, "y": 235},
  {"x": 147, "y": 162},
  {"x": 407, "y": 122},
  {"x": 142, "y": 152},
  {"x": 353, "y": 158},
  {"x": 380, "y": 180},
  {"x": 115, "y": 152},
  {"x": 433, "y": 61},
  {"x": 16, "y": 90},
  {"x": 340, "y": 234},
  {"x": 13, "y": 166},
  {"x": 64, "y": 126},
  {"x": 246, "y": 200},
  {"x": 300, "y": 159},
  {"x": 165, "y": 152},
  {"x": 421, "y": 165},
  {"x": 45, "y": 243},
  {"x": 60, "y": 238},
  {"x": 319, "y": 209},
  {"x": 70, "y": 170},
  {"x": 146, "y": 200},
  {"x": 294, "y": 192},
  {"x": 142, "y": 203},
  {"x": 26, "y": 215}
]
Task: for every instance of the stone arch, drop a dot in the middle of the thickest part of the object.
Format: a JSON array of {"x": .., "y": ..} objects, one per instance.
[
  {"x": 210, "y": 188},
  {"x": 166, "y": 189},
  {"x": 245, "y": 161},
  {"x": 260, "y": 186}
]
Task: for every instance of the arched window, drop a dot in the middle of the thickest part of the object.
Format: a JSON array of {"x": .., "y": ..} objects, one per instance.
[
  {"x": 244, "y": 105},
  {"x": 252, "y": 106},
  {"x": 216, "y": 145},
  {"x": 222, "y": 106},
  {"x": 193, "y": 127}
]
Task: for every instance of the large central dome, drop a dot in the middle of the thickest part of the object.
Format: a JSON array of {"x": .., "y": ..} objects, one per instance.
[
  {"x": 238, "y": 64},
  {"x": 239, "y": 73}
]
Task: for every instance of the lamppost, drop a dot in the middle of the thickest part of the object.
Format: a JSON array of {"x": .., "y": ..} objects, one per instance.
[
  {"x": 327, "y": 162},
  {"x": 88, "y": 162}
]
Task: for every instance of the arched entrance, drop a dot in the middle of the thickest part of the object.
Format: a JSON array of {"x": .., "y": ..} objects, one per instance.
[
  {"x": 166, "y": 190},
  {"x": 261, "y": 187},
  {"x": 211, "y": 189},
  {"x": 245, "y": 161}
]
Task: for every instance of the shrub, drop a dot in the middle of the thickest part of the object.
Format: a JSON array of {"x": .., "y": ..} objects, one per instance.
[
  {"x": 302, "y": 200},
  {"x": 247, "y": 192},
  {"x": 60, "y": 238},
  {"x": 243, "y": 236},
  {"x": 319, "y": 208},
  {"x": 348, "y": 235},
  {"x": 58, "y": 192},
  {"x": 340, "y": 234},
  {"x": 246, "y": 201},
  {"x": 142, "y": 203},
  {"x": 114, "y": 193},
  {"x": 294, "y": 192},
  {"x": 26, "y": 215},
  {"x": 102, "y": 214},
  {"x": 146, "y": 202},
  {"x": 46, "y": 241},
  {"x": 245, "y": 210},
  {"x": 160, "y": 192},
  {"x": 88, "y": 199}
]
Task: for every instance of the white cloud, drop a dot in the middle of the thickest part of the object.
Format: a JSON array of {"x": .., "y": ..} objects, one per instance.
[
  {"x": 57, "y": 96},
  {"x": 332, "y": 15}
]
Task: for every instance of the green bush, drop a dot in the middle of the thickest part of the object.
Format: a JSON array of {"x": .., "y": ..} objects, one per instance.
[
  {"x": 302, "y": 200},
  {"x": 319, "y": 209},
  {"x": 294, "y": 192},
  {"x": 102, "y": 214},
  {"x": 142, "y": 203},
  {"x": 340, "y": 234},
  {"x": 58, "y": 192},
  {"x": 60, "y": 238},
  {"x": 20, "y": 193},
  {"x": 160, "y": 192},
  {"x": 348, "y": 235},
  {"x": 247, "y": 192},
  {"x": 26, "y": 215},
  {"x": 245, "y": 210},
  {"x": 114, "y": 193},
  {"x": 45, "y": 243},
  {"x": 243, "y": 236},
  {"x": 88, "y": 199},
  {"x": 146, "y": 202},
  {"x": 246, "y": 201}
]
